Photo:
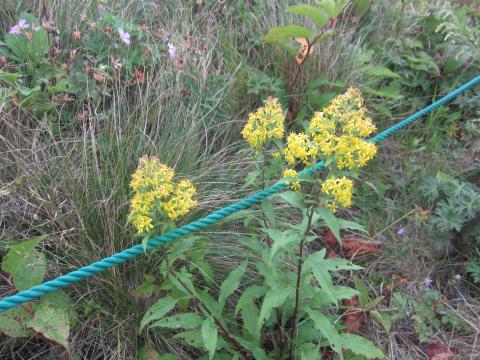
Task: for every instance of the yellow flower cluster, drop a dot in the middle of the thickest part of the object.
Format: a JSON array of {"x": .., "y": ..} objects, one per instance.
[
  {"x": 264, "y": 124},
  {"x": 336, "y": 131},
  {"x": 341, "y": 191},
  {"x": 295, "y": 184},
  {"x": 155, "y": 193}
]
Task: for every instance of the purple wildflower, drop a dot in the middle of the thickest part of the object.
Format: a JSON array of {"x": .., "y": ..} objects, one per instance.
[
  {"x": 17, "y": 29},
  {"x": 124, "y": 36},
  {"x": 172, "y": 51},
  {"x": 401, "y": 232},
  {"x": 428, "y": 282}
]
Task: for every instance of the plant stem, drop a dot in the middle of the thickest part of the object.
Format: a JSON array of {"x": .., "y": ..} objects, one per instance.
[
  {"x": 229, "y": 336},
  {"x": 297, "y": 286}
]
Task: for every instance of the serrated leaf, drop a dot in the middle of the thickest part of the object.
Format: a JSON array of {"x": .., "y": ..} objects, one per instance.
[
  {"x": 331, "y": 221},
  {"x": 281, "y": 239},
  {"x": 381, "y": 72},
  {"x": 279, "y": 33},
  {"x": 382, "y": 320},
  {"x": 327, "y": 329},
  {"x": 293, "y": 198},
  {"x": 52, "y": 323},
  {"x": 248, "y": 295},
  {"x": 179, "y": 321},
  {"x": 250, "y": 315},
  {"x": 315, "y": 265},
  {"x": 329, "y": 7},
  {"x": 308, "y": 351},
  {"x": 158, "y": 310},
  {"x": 318, "y": 16},
  {"x": 13, "y": 322},
  {"x": 209, "y": 336},
  {"x": 269, "y": 211},
  {"x": 26, "y": 265},
  {"x": 273, "y": 299},
  {"x": 192, "y": 338},
  {"x": 361, "y": 346},
  {"x": 231, "y": 283}
]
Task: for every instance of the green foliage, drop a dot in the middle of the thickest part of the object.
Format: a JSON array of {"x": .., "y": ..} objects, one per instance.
[{"x": 52, "y": 316}]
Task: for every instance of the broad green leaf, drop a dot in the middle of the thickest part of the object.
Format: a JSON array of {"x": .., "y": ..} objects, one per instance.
[
  {"x": 209, "y": 336},
  {"x": 179, "y": 321},
  {"x": 281, "y": 239},
  {"x": 329, "y": 7},
  {"x": 255, "y": 349},
  {"x": 284, "y": 44},
  {"x": 361, "y": 346},
  {"x": 192, "y": 338},
  {"x": 318, "y": 16},
  {"x": 231, "y": 283},
  {"x": 250, "y": 320},
  {"x": 327, "y": 329},
  {"x": 309, "y": 351},
  {"x": 209, "y": 301},
  {"x": 273, "y": 299},
  {"x": 385, "y": 321},
  {"x": 279, "y": 33},
  {"x": 248, "y": 295},
  {"x": 331, "y": 221},
  {"x": 147, "y": 288},
  {"x": 26, "y": 265},
  {"x": 269, "y": 211},
  {"x": 8, "y": 76},
  {"x": 293, "y": 198},
  {"x": 158, "y": 310},
  {"x": 381, "y": 72},
  {"x": 13, "y": 322},
  {"x": 316, "y": 266},
  {"x": 52, "y": 323}
]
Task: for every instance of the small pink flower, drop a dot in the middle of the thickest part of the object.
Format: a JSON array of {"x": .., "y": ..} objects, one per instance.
[
  {"x": 124, "y": 36},
  {"x": 17, "y": 29},
  {"x": 172, "y": 51}
]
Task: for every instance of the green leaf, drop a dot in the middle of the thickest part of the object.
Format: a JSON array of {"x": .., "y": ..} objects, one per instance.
[
  {"x": 9, "y": 77},
  {"x": 158, "y": 310},
  {"x": 248, "y": 295},
  {"x": 308, "y": 351},
  {"x": 147, "y": 288},
  {"x": 179, "y": 321},
  {"x": 316, "y": 266},
  {"x": 327, "y": 329},
  {"x": 293, "y": 198},
  {"x": 209, "y": 336},
  {"x": 13, "y": 322},
  {"x": 329, "y": 7},
  {"x": 250, "y": 315},
  {"x": 269, "y": 211},
  {"x": 52, "y": 323},
  {"x": 331, "y": 221},
  {"x": 361, "y": 346},
  {"x": 283, "y": 32},
  {"x": 231, "y": 283},
  {"x": 382, "y": 320},
  {"x": 381, "y": 72},
  {"x": 26, "y": 265},
  {"x": 192, "y": 338},
  {"x": 281, "y": 239},
  {"x": 273, "y": 299},
  {"x": 318, "y": 16}
]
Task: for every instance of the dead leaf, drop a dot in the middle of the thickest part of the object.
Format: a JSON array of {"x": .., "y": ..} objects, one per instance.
[
  {"x": 107, "y": 30},
  {"x": 99, "y": 77},
  {"x": 76, "y": 35},
  {"x": 29, "y": 35},
  {"x": 3, "y": 60},
  {"x": 303, "y": 51},
  {"x": 353, "y": 246},
  {"x": 438, "y": 351},
  {"x": 354, "y": 318}
]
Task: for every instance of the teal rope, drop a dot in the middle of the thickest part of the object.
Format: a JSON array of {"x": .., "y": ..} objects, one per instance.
[{"x": 128, "y": 254}]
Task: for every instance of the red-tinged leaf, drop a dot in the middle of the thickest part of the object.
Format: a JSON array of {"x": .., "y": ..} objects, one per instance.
[
  {"x": 303, "y": 51},
  {"x": 438, "y": 351},
  {"x": 354, "y": 318},
  {"x": 354, "y": 246}
]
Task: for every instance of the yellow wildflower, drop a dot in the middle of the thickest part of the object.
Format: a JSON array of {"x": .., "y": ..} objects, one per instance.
[
  {"x": 299, "y": 148},
  {"x": 295, "y": 185},
  {"x": 155, "y": 191},
  {"x": 264, "y": 124},
  {"x": 341, "y": 191}
]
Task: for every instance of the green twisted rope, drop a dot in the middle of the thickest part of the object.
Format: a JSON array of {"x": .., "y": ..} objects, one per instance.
[{"x": 128, "y": 254}]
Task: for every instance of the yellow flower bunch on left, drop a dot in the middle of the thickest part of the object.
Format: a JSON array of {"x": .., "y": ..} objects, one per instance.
[
  {"x": 156, "y": 195},
  {"x": 264, "y": 124}
]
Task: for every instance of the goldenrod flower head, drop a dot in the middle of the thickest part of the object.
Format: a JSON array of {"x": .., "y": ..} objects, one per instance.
[
  {"x": 295, "y": 185},
  {"x": 156, "y": 194},
  {"x": 299, "y": 148},
  {"x": 264, "y": 124},
  {"x": 341, "y": 191}
]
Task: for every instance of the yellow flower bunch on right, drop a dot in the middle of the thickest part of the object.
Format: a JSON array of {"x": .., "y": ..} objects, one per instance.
[{"x": 340, "y": 189}]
